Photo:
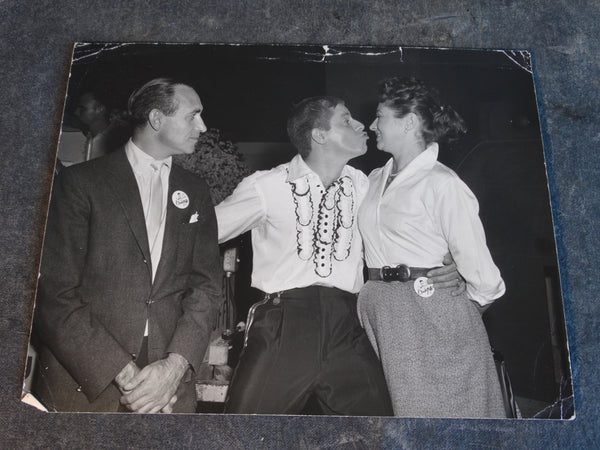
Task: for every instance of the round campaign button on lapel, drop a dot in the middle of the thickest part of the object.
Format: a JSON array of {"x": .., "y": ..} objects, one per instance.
[
  {"x": 180, "y": 199},
  {"x": 422, "y": 288}
]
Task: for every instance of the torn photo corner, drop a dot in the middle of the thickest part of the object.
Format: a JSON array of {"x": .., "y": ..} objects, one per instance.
[{"x": 246, "y": 94}]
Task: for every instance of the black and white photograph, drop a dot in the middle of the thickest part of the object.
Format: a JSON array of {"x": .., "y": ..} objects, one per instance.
[{"x": 300, "y": 230}]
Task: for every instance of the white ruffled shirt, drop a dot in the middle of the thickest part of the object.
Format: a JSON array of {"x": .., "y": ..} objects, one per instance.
[
  {"x": 302, "y": 233},
  {"x": 426, "y": 211}
]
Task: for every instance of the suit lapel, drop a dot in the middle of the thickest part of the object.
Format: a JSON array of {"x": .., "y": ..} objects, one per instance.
[
  {"x": 173, "y": 223},
  {"x": 122, "y": 180}
]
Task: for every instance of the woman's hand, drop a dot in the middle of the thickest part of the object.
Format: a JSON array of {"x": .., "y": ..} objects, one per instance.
[{"x": 447, "y": 277}]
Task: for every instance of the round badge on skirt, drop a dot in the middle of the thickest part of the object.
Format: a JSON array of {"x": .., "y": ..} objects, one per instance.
[
  {"x": 422, "y": 288},
  {"x": 180, "y": 199}
]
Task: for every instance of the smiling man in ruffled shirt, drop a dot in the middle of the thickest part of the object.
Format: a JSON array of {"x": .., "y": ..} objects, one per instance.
[
  {"x": 130, "y": 277},
  {"x": 304, "y": 339}
]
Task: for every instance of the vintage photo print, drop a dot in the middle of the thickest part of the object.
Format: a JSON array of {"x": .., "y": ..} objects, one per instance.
[{"x": 300, "y": 229}]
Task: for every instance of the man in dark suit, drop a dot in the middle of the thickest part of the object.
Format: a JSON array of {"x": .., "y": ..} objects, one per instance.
[{"x": 130, "y": 277}]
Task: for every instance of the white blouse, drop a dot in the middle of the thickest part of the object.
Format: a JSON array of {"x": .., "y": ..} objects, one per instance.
[
  {"x": 426, "y": 211},
  {"x": 302, "y": 233}
]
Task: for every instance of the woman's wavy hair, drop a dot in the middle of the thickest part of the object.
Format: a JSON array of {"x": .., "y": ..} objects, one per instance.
[{"x": 405, "y": 95}]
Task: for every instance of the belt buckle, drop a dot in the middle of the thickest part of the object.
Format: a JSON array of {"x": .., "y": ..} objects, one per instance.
[
  {"x": 399, "y": 273},
  {"x": 274, "y": 296}
]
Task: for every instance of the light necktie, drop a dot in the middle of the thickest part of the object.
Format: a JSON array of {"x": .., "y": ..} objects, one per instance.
[
  {"x": 154, "y": 219},
  {"x": 155, "y": 207}
]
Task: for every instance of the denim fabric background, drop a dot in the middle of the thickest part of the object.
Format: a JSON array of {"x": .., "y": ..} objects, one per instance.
[{"x": 34, "y": 62}]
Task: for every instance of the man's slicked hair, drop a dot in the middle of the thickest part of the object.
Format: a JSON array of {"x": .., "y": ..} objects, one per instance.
[
  {"x": 308, "y": 114},
  {"x": 155, "y": 94}
]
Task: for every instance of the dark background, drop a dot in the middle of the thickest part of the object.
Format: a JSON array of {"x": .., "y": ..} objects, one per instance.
[{"x": 563, "y": 38}]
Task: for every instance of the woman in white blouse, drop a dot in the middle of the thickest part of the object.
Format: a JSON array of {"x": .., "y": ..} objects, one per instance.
[{"x": 433, "y": 345}]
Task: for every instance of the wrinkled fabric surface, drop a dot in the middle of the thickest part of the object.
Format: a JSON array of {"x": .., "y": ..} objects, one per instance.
[{"x": 435, "y": 351}]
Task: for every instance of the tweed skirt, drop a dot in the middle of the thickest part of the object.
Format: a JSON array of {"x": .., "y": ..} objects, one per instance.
[{"x": 435, "y": 351}]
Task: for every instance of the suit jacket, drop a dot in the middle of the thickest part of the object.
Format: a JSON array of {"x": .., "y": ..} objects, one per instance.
[{"x": 95, "y": 290}]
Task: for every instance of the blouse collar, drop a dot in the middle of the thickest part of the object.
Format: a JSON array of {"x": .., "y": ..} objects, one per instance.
[{"x": 423, "y": 162}]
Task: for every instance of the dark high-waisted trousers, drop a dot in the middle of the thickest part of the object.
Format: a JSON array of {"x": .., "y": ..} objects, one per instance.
[{"x": 302, "y": 342}]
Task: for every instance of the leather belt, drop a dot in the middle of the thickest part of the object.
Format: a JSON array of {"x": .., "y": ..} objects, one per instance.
[{"x": 401, "y": 272}]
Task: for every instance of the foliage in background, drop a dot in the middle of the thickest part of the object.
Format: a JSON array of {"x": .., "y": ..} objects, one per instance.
[{"x": 218, "y": 162}]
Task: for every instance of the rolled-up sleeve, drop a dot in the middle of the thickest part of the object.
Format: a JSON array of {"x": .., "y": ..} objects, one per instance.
[{"x": 458, "y": 211}]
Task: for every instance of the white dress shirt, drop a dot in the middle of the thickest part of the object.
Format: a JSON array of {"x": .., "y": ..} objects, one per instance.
[
  {"x": 302, "y": 233},
  {"x": 426, "y": 211},
  {"x": 141, "y": 164}
]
